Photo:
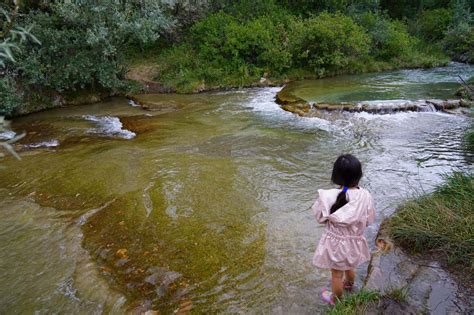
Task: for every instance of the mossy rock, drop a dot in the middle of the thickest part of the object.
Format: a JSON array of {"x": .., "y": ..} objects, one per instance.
[{"x": 286, "y": 96}]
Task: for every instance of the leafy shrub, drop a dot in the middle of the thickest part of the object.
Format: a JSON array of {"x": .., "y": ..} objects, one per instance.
[
  {"x": 9, "y": 96},
  {"x": 390, "y": 38},
  {"x": 328, "y": 42},
  {"x": 433, "y": 24},
  {"x": 459, "y": 44},
  {"x": 83, "y": 43},
  {"x": 257, "y": 43},
  {"x": 459, "y": 41}
]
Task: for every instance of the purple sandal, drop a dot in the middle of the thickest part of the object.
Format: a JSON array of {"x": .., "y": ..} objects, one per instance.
[{"x": 327, "y": 296}]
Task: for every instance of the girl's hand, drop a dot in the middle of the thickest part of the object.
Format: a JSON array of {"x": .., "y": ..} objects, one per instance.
[{"x": 383, "y": 245}]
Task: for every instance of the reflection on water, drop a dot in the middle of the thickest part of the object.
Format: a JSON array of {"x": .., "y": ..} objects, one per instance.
[{"x": 206, "y": 207}]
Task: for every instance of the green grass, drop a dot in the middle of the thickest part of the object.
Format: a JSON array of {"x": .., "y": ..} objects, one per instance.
[
  {"x": 183, "y": 71},
  {"x": 398, "y": 295},
  {"x": 441, "y": 222},
  {"x": 355, "y": 303},
  {"x": 469, "y": 138}
]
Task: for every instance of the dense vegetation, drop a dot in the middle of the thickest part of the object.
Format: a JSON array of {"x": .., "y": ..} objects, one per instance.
[
  {"x": 442, "y": 222},
  {"x": 88, "y": 45}
]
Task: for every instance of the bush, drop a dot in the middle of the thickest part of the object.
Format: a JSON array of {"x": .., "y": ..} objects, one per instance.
[
  {"x": 327, "y": 42},
  {"x": 9, "y": 96},
  {"x": 433, "y": 24},
  {"x": 459, "y": 44},
  {"x": 83, "y": 43},
  {"x": 459, "y": 41},
  {"x": 390, "y": 38}
]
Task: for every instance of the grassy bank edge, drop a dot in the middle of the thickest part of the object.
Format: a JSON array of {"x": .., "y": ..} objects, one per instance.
[
  {"x": 189, "y": 82},
  {"x": 364, "y": 301},
  {"x": 440, "y": 224}
]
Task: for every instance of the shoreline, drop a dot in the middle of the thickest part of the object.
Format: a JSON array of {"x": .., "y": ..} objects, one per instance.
[
  {"x": 424, "y": 273},
  {"x": 85, "y": 97}
]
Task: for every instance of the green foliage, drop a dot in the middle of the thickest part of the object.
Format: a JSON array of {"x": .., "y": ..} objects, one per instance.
[
  {"x": 401, "y": 9},
  {"x": 398, "y": 295},
  {"x": 11, "y": 37},
  {"x": 433, "y": 24},
  {"x": 83, "y": 44},
  {"x": 441, "y": 222},
  {"x": 355, "y": 303},
  {"x": 390, "y": 38},
  {"x": 223, "y": 49},
  {"x": 469, "y": 139},
  {"x": 9, "y": 96},
  {"x": 459, "y": 42},
  {"x": 215, "y": 43},
  {"x": 249, "y": 9},
  {"x": 310, "y": 7},
  {"x": 327, "y": 42}
]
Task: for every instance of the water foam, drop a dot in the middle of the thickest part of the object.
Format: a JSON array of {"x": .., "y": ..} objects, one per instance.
[
  {"x": 7, "y": 135},
  {"x": 111, "y": 126},
  {"x": 133, "y": 103},
  {"x": 47, "y": 144},
  {"x": 264, "y": 103}
]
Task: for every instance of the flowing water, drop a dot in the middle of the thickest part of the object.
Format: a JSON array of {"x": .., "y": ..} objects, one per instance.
[{"x": 117, "y": 209}]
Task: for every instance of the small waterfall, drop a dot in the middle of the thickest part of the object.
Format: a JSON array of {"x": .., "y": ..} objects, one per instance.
[
  {"x": 110, "y": 126},
  {"x": 429, "y": 108},
  {"x": 374, "y": 107}
]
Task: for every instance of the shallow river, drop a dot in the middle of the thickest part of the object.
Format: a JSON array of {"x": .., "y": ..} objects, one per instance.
[{"x": 115, "y": 209}]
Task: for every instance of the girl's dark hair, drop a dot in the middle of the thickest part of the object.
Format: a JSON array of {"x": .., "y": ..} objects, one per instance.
[{"x": 347, "y": 171}]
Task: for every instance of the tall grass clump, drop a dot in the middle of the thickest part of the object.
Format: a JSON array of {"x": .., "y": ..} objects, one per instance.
[
  {"x": 440, "y": 223},
  {"x": 355, "y": 303}
]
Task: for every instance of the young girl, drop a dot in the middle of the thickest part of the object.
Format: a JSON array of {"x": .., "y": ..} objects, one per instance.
[{"x": 346, "y": 212}]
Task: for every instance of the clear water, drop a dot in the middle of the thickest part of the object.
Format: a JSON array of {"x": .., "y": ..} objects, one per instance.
[
  {"x": 205, "y": 206},
  {"x": 435, "y": 83}
]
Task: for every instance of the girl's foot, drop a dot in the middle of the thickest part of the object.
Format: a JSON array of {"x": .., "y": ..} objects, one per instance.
[
  {"x": 348, "y": 286},
  {"x": 328, "y": 297}
]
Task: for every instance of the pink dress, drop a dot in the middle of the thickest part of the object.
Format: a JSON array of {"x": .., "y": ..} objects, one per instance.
[{"x": 343, "y": 245}]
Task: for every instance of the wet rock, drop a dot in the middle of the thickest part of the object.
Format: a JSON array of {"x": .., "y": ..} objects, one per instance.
[
  {"x": 286, "y": 97},
  {"x": 428, "y": 286},
  {"x": 300, "y": 109},
  {"x": 444, "y": 104}
]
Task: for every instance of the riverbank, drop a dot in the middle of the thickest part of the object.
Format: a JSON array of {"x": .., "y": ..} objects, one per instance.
[
  {"x": 144, "y": 78},
  {"x": 150, "y": 73},
  {"x": 432, "y": 257},
  {"x": 440, "y": 224},
  {"x": 194, "y": 48}
]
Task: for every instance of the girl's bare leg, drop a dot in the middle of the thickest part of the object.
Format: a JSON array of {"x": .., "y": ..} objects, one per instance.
[
  {"x": 337, "y": 286},
  {"x": 349, "y": 276}
]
